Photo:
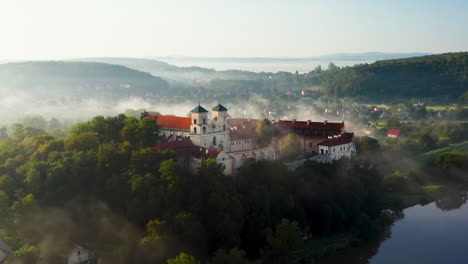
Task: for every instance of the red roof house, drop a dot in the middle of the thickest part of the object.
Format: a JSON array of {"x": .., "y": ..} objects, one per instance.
[{"x": 394, "y": 133}]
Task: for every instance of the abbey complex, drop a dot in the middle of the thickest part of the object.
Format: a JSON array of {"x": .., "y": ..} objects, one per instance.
[{"x": 234, "y": 141}]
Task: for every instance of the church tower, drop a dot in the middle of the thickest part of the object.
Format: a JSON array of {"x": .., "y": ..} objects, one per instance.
[
  {"x": 219, "y": 118},
  {"x": 199, "y": 117},
  {"x": 219, "y": 126}
]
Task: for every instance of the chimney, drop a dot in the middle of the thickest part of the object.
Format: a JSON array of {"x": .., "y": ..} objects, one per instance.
[
  {"x": 308, "y": 122},
  {"x": 206, "y": 151},
  {"x": 325, "y": 122}
]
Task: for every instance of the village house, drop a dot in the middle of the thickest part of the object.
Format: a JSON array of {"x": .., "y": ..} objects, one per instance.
[
  {"x": 232, "y": 142},
  {"x": 394, "y": 133}
]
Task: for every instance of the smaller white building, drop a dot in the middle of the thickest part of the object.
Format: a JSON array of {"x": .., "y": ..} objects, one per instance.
[{"x": 338, "y": 146}]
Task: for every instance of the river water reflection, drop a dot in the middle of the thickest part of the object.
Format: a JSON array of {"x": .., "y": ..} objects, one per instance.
[{"x": 429, "y": 234}]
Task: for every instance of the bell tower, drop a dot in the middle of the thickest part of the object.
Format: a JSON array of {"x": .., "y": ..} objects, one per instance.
[
  {"x": 219, "y": 121},
  {"x": 219, "y": 117},
  {"x": 199, "y": 117}
]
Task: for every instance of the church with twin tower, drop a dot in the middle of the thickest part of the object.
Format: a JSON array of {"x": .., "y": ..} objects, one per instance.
[{"x": 211, "y": 133}]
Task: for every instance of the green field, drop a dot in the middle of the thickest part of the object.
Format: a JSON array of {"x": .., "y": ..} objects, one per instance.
[
  {"x": 461, "y": 147},
  {"x": 442, "y": 107}
]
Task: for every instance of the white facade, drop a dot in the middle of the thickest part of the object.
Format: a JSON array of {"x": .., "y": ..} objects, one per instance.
[{"x": 338, "y": 151}]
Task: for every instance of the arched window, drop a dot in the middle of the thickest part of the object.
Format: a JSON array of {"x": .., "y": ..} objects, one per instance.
[
  {"x": 195, "y": 121},
  {"x": 224, "y": 127},
  {"x": 195, "y": 130},
  {"x": 204, "y": 130},
  {"x": 214, "y": 140}
]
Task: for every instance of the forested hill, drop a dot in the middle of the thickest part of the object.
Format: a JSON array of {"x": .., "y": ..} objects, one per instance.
[
  {"x": 192, "y": 75},
  {"x": 79, "y": 80},
  {"x": 444, "y": 75}
]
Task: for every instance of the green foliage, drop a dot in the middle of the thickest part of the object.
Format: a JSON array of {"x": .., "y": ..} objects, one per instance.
[
  {"x": 283, "y": 241},
  {"x": 148, "y": 131},
  {"x": 232, "y": 256},
  {"x": 452, "y": 160},
  {"x": 393, "y": 121},
  {"x": 183, "y": 258},
  {"x": 155, "y": 229},
  {"x": 168, "y": 171},
  {"x": 265, "y": 132},
  {"x": 428, "y": 76},
  {"x": 290, "y": 147},
  {"x": 83, "y": 141}
]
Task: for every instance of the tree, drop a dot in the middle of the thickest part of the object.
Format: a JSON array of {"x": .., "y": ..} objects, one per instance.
[
  {"x": 290, "y": 147},
  {"x": 183, "y": 258},
  {"x": 393, "y": 121},
  {"x": 156, "y": 230},
  {"x": 233, "y": 256},
  {"x": 54, "y": 123},
  {"x": 283, "y": 241},
  {"x": 332, "y": 67},
  {"x": 148, "y": 132},
  {"x": 83, "y": 141},
  {"x": 3, "y": 133},
  {"x": 168, "y": 170},
  {"x": 265, "y": 132},
  {"x": 35, "y": 121},
  {"x": 426, "y": 142}
]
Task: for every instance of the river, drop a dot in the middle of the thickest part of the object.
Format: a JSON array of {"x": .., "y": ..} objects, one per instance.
[{"x": 429, "y": 234}]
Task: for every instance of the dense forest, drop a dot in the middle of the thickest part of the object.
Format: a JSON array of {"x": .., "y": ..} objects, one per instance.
[{"x": 444, "y": 75}]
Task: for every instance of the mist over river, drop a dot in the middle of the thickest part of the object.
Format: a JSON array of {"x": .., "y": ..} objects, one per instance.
[{"x": 429, "y": 234}]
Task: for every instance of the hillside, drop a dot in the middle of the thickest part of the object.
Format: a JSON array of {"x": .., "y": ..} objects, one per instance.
[
  {"x": 80, "y": 80},
  {"x": 436, "y": 76},
  {"x": 189, "y": 75}
]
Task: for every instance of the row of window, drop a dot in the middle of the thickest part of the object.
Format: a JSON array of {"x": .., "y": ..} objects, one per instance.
[
  {"x": 240, "y": 142},
  {"x": 195, "y": 121},
  {"x": 204, "y": 129}
]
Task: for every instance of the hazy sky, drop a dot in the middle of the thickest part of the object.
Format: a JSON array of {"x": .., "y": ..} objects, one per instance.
[{"x": 56, "y": 29}]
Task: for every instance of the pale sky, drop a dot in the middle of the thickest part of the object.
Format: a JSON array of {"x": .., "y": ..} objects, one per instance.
[{"x": 60, "y": 29}]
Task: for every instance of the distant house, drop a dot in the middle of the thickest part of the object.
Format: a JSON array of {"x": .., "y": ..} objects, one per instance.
[{"x": 394, "y": 133}]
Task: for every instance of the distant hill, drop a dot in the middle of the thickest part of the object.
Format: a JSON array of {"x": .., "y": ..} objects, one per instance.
[
  {"x": 369, "y": 56},
  {"x": 329, "y": 57},
  {"x": 191, "y": 75},
  {"x": 80, "y": 80},
  {"x": 437, "y": 76}
]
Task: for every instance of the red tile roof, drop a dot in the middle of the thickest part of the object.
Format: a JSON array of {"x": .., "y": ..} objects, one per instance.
[
  {"x": 310, "y": 125},
  {"x": 242, "y": 128},
  {"x": 174, "y": 145},
  {"x": 338, "y": 140},
  {"x": 393, "y": 132},
  {"x": 173, "y": 122}
]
